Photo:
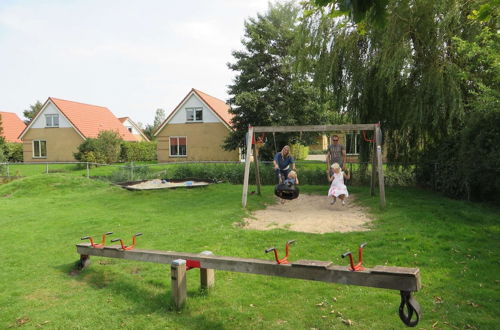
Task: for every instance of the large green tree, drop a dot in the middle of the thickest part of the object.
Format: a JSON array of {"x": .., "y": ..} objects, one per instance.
[
  {"x": 407, "y": 73},
  {"x": 32, "y": 111},
  {"x": 269, "y": 89}
]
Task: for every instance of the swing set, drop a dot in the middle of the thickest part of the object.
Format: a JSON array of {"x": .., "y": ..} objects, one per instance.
[{"x": 377, "y": 164}]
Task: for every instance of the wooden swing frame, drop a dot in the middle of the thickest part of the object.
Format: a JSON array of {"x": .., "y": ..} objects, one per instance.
[{"x": 377, "y": 163}]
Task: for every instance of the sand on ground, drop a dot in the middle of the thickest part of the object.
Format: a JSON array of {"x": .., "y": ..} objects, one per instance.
[
  {"x": 311, "y": 214},
  {"x": 160, "y": 184}
]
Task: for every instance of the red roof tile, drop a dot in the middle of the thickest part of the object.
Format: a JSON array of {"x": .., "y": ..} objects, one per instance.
[
  {"x": 12, "y": 126},
  {"x": 220, "y": 107},
  {"x": 89, "y": 120}
]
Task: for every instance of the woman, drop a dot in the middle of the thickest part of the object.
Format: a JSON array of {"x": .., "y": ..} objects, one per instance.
[{"x": 283, "y": 163}]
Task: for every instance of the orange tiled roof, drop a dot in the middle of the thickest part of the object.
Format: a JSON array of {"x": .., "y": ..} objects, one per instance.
[
  {"x": 89, "y": 120},
  {"x": 12, "y": 126},
  {"x": 122, "y": 119},
  {"x": 220, "y": 107}
]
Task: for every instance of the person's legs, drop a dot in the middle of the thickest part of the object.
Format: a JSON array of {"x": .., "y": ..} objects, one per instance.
[
  {"x": 334, "y": 199},
  {"x": 342, "y": 197}
]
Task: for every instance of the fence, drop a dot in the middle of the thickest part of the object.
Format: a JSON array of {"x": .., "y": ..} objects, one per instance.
[{"x": 310, "y": 172}]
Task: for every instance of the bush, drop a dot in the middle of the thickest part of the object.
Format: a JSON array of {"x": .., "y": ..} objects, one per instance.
[
  {"x": 299, "y": 151},
  {"x": 130, "y": 172},
  {"x": 14, "y": 152},
  {"x": 105, "y": 149},
  {"x": 138, "y": 151},
  {"x": 466, "y": 164}
]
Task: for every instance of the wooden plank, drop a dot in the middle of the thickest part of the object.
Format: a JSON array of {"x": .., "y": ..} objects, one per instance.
[
  {"x": 315, "y": 128},
  {"x": 247, "y": 167},
  {"x": 179, "y": 284},
  {"x": 312, "y": 263},
  {"x": 380, "y": 167},
  {"x": 332, "y": 274}
]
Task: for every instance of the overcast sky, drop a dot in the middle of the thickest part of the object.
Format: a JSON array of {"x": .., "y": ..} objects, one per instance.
[{"x": 131, "y": 56}]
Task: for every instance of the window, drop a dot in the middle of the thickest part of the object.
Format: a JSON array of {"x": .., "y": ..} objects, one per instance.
[
  {"x": 178, "y": 146},
  {"x": 52, "y": 120},
  {"x": 353, "y": 141},
  {"x": 129, "y": 129},
  {"x": 194, "y": 114},
  {"x": 39, "y": 149}
]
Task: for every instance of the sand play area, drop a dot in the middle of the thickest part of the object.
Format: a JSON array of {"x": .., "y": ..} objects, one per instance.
[{"x": 311, "y": 214}]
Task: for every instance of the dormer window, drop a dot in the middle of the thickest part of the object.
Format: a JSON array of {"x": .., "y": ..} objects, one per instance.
[
  {"x": 52, "y": 120},
  {"x": 194, "y": 114}
]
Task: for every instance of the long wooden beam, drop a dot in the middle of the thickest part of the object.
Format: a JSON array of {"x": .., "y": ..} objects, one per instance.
[
  {"x": 315, "y": 128},
  {"x": 395, "y": 278}
]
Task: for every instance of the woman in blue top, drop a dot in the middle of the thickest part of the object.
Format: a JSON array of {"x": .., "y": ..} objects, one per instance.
[{"x": 283, "y": 163}]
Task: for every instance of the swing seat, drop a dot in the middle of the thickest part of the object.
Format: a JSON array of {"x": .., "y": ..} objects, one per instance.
[{"x": 285, "y": 191}]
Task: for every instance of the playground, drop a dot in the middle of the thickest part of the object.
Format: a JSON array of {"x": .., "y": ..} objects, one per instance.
[{"x": 453, "y": 243}]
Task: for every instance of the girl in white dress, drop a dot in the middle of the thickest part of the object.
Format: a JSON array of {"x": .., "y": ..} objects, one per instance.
[{"x": 337, "y": 188}]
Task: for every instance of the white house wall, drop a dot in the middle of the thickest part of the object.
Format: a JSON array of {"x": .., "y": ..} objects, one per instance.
[
  {"x": 194, "y": 102},
  {"x": 128, "y": 125},
  {"x": 50, "y": 109}
]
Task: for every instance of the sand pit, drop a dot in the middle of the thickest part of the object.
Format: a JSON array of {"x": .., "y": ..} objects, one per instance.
[
  {"x": 311, "y": 214},
  {"x": 164, "y": 184}
]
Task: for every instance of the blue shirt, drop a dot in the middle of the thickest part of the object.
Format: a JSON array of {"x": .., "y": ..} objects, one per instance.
[{"x": 283, "y": 162}]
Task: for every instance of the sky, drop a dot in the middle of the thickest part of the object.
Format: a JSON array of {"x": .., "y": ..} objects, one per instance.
[{"x": 131, "y": 56}]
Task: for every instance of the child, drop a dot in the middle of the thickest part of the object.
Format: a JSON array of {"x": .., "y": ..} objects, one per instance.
[
  {"x": 337, "y": 188},
  {"x": 290, "y": 181},
  {"x": 292, "y": 178}
]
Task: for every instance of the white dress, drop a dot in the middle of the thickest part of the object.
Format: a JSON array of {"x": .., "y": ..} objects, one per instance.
[{"x": 338, "y": 187}]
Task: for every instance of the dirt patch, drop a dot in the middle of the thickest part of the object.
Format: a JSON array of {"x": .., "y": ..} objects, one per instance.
[{"x": 311, "y": 214}]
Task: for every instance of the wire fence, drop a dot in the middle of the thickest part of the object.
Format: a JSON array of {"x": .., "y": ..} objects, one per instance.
[{"x": 310, "y": 172}]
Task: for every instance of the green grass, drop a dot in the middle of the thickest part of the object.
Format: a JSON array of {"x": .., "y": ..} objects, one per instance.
[{"x": 455, "y": 245}]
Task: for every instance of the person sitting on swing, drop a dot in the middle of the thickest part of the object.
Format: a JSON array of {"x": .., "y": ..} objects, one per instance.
[
  {"x": 292, "y": 179},
  {"x": 283, "y": 163}
]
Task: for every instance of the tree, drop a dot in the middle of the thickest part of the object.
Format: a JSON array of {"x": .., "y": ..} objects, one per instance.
[
  {"x": 32, "y": 111},
  {"x": 149, "y": 130},
  {"x": 268, "y": 88},
  {"x": 159, "y": 117}
]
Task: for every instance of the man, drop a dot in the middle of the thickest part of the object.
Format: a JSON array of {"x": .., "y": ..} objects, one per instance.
[
  {"x": 283, "y": 163},
  {"x": 336, "y": 153}
]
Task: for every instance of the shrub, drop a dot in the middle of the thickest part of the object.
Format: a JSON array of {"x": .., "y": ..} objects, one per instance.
[
  {"x": 299, "y": 151},
  {"x": 14, "y": 152},
  {"x": 138, "y": 151},
  {"x": 104, "y": 149},
  {"x": 467, "y": 163}
]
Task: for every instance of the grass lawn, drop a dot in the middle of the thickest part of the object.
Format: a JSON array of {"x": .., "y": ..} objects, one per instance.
[{"x": 455, "y": 244}]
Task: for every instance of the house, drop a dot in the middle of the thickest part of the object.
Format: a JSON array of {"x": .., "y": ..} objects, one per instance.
[
  {"x": 133, "y": 128},
  {"x": 12, "y": 126},
  {"x": 195, "y": 130},
  {"x": 57, "y": 130}
]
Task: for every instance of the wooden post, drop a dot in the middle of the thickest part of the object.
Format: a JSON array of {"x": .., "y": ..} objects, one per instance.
[
  {"x": 257, "y": 170},
  {"x": 46, "y": 168},
  {"x": 207, "y": 275},
  {"x": 374, "y": 168},
  {"x": 378, "y": 137},
  {"x": 88, "y": 171},
  {"x": 179, "y": 285},
  {"x": 8, "y": 171},
  {"x": 247, "y": 167}
]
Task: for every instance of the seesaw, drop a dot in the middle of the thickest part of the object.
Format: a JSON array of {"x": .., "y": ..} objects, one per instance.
[{"x": 406, "y": 280}]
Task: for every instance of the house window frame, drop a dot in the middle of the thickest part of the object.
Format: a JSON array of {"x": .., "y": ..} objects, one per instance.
[
  {"x": 195, "y": 111},
  {"x": 357, "y": 137},
  {"x": 178, "y": 150},
  {"x": 39, "y": 149},
  {"x": 51, "y": 116}
]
